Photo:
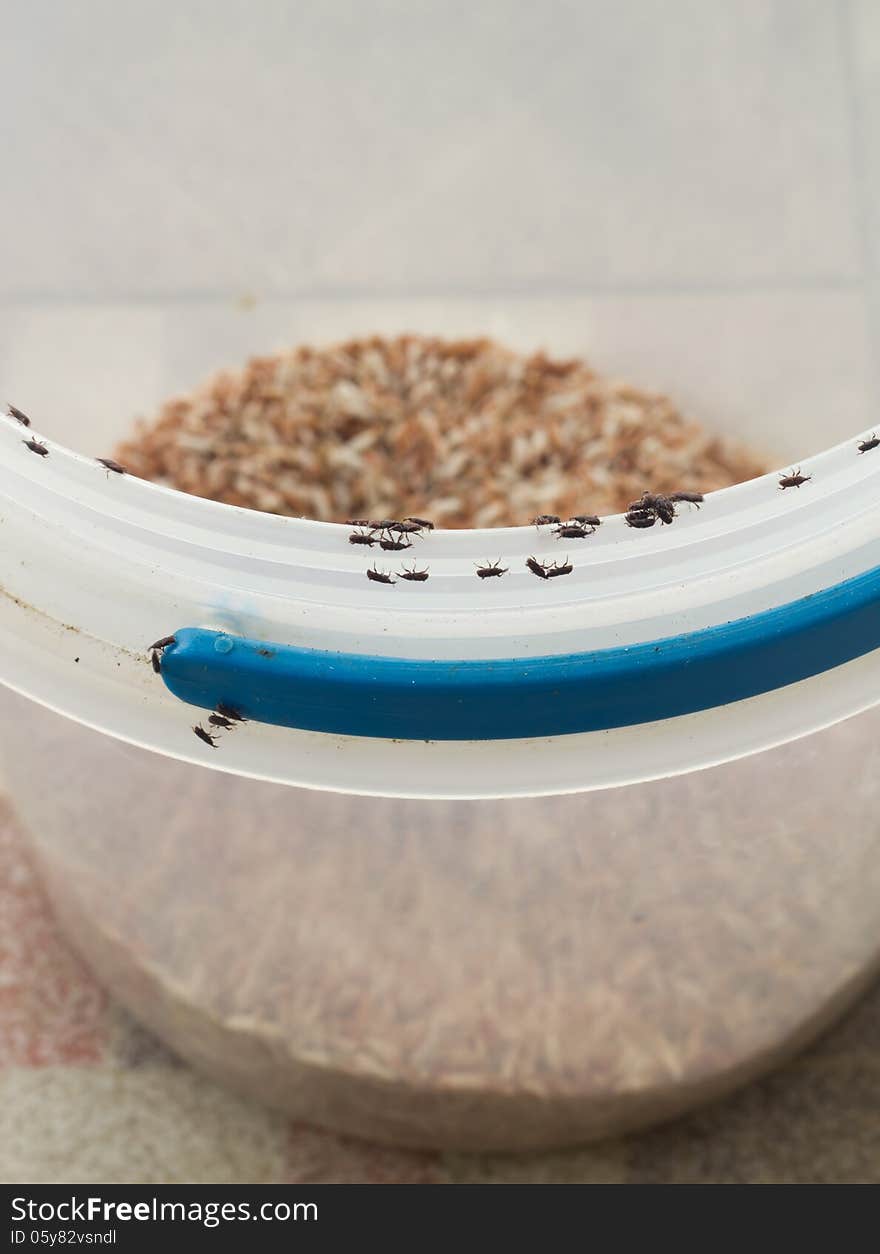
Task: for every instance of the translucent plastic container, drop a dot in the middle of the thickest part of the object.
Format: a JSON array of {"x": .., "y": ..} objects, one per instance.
[
  {"x": 648, "y": 882},
  {"x": 456, "y": 960}
]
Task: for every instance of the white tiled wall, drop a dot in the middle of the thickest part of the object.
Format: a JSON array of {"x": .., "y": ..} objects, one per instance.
[{"x": 688, "y": 191}]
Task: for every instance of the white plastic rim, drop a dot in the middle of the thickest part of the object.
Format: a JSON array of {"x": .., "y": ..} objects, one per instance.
[{"x": 94, "y": 566}]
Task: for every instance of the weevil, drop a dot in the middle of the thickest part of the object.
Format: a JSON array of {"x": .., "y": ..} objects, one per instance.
[
  {"x": 362, "y": 537},
  {"x": 18, "y": 415},
  {"x": 230, "y": 711},
  {"x": 573, "y": 531},
  {"x": 793, "y": 479},
  {"x": 164, "y": 642},
  {"x": 492, "y": 570},
  {"x": 538, "y": 568}
]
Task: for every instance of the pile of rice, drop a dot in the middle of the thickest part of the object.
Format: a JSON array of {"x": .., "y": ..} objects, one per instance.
[{"x": 466, "y": 432}]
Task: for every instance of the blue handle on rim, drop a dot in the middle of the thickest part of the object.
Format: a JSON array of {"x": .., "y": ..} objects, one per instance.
[{"x": 512, "y": 698}]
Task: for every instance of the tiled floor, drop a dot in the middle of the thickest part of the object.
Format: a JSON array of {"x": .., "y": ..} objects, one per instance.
[{"x": 290, "y": 148}]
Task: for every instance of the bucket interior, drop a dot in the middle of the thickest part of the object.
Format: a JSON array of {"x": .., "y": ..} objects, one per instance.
[{"x": 772, "y": 369}]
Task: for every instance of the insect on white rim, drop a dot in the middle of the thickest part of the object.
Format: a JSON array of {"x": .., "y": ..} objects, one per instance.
[{"x": 115, "y": 562}]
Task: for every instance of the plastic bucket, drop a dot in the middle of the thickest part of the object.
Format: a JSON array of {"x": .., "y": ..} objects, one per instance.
[
  {"x": 656, "y": 870},
  {"x": 450, "y": 956}
]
